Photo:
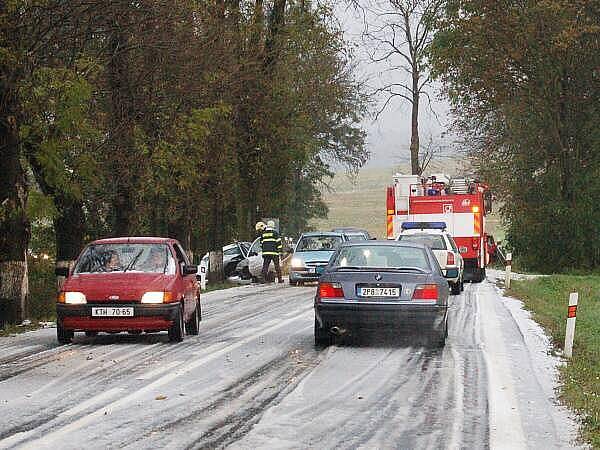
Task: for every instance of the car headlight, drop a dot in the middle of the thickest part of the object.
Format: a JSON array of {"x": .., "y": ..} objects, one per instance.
[
  {"x": 297, "y": 262},
  {"x": 72, "y": 298},
  {"x": 156, "y": 297}
]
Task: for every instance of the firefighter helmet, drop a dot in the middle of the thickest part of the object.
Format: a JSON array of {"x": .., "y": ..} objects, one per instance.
[
  {"x": 271, "y": 224},
  {"x": 260, "y": 226}
]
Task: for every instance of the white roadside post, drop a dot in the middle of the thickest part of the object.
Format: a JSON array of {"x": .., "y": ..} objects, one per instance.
[
  {"x": 571, "y": 318},
  {"x": 508, "y": 269}
]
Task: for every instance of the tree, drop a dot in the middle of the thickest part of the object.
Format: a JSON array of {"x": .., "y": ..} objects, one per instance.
[
  {"x": 399, "y": 34},
  {"x": 27, "y": 30},
  {"x": 185, "y": 119},
  {"x": 523, "y": 81}
]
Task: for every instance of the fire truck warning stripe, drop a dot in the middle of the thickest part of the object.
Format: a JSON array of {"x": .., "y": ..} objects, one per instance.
[
  {"x": 476, "y": 223},
  {"x": 390, "y": 226}
]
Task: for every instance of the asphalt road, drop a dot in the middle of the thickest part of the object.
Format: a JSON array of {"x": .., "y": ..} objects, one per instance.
[{"x": 253, "y": 379}]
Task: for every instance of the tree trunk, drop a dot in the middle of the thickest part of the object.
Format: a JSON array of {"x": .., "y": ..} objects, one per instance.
[
  {"x": 414, "y": 130},
  {"x": 215, "y": 267},
  {"x": 276, "y": 24},
  {"x": 122, "y": 116},
  {"x": 69, "y": 229},
  {"x": 69, "y": 225},
  {"x": 14, "y": 225}
]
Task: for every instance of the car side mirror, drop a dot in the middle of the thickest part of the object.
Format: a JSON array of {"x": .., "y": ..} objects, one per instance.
[
  {"x": 189, "y": 269},
  {"x": 61, "y": 271}
]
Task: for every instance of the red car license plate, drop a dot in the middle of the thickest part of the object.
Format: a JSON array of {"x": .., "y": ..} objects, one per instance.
[{"x": 112, "y": 312}]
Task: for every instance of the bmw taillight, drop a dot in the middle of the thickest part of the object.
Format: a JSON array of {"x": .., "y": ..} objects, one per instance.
[
  {"x": 450, "y": 259},
  {"x": 425, "y": 292},
  {"x": 330, "y": 290}
]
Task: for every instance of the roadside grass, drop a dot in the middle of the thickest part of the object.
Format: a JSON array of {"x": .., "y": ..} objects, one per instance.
[{"x": 547, "y": 298}]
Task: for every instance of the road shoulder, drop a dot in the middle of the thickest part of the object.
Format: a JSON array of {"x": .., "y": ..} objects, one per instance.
[{"x": 545, "y": 422}]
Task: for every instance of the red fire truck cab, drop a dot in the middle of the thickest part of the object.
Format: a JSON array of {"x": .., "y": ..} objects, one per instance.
[{"x": 462, "y": 203}]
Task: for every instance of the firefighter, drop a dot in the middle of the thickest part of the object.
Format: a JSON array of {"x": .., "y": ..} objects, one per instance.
[{"x": 271, "y": 249}]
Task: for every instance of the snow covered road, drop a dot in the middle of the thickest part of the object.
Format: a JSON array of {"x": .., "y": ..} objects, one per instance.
[{"x": 253, "y": 379}]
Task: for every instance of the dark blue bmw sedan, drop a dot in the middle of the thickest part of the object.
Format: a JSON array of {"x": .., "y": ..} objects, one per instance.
[{"x": 377, "y": 284}]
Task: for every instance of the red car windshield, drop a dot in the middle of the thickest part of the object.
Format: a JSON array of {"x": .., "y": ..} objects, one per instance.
[{"x": 150, "y": 258}]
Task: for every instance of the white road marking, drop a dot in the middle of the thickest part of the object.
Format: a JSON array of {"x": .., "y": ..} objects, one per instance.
[{"x": 506, "y": 430}]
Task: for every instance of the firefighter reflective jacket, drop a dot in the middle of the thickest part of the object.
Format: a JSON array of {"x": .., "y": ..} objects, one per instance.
[{"x": 271, "y": 242}]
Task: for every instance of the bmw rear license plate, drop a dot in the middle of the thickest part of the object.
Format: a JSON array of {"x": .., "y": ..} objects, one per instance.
[
  {"x": 379, "y": 292},
  {"x": 112, "y": 312}
]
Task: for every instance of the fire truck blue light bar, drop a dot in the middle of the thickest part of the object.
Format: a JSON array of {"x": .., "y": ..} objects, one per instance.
[{"x": 424, "y": 225}]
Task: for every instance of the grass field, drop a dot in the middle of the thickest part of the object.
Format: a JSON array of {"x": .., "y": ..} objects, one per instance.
[
  {"x": 357, "y": 202},
  {"x": 547, "y": 298},
  {"x": 360, "y": 202}
]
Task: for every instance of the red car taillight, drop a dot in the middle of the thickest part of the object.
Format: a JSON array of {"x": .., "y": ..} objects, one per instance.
[
  {"x": 330, "y": 290},
  {"x": 425, "y": 292},
  {"x": 450, "y": 259}
]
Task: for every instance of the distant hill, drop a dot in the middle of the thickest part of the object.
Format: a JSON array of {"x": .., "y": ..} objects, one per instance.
[{"x": 357, "y": 202}]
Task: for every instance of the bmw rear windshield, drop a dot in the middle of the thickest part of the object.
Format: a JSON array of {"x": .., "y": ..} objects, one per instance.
[{"x": 382, "y": 256}]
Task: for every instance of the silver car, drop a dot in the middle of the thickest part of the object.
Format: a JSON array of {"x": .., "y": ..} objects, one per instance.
[{"x": 377, "y": 284}]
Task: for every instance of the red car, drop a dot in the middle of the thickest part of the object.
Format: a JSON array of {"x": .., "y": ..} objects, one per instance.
[{"x": 135, "y": 284}]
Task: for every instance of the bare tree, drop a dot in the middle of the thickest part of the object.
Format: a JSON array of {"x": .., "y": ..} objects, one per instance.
[{"x": 398, "y": 34}]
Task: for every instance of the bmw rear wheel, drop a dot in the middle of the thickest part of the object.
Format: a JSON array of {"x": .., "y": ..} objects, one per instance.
[
  {"x": 176, "y": 330},
  {"x": 443, "y": 335}
]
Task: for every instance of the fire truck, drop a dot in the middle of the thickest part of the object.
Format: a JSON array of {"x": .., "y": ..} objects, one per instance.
[{"x": 462, "y": 203}]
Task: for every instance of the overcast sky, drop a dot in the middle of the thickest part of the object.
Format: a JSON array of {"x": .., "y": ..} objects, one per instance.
[{"x": 389, "y": 135}]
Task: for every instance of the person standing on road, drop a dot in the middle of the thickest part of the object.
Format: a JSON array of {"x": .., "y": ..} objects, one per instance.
[{"x": 271, "y": 249}]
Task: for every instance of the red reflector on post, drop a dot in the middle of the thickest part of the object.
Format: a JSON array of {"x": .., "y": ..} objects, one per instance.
[
  {"x": 572, "y": 312},
  {"x": 450, "y": 260},
  {"x": 330, "y": 290},
  {"x": 425, "y": 292}
]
